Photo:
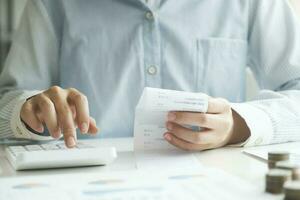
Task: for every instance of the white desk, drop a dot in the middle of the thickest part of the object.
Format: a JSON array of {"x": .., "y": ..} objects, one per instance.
[{"x": 229, "y": 159}]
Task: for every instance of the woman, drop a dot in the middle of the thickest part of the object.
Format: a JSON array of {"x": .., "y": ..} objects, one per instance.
[{"x": 69, "y": 56}]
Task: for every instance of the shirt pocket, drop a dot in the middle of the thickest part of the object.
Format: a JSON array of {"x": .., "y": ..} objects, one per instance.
[{"x": 222, "y": 64}]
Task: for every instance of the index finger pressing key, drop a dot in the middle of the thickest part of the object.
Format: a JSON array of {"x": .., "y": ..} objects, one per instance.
[{"x": 67, "y": 125}]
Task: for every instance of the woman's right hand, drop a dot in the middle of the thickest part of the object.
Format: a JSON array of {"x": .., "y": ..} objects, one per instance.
[{"x": 62, "y": 111}]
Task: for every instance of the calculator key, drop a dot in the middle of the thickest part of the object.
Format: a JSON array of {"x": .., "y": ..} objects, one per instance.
[
  {"x": 17, "y": 149},
  {"x": 33, "y": 147},
  {"x": 61, "y": 146},
  {"x": 49, "y": 147}
]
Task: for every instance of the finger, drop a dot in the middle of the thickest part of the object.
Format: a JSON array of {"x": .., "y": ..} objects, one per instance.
[
  {"x": 217, "y": 105},
  {"x": 29, "y": 117},
  {"x": 48, "y": 115},
  {"x": 172, "y": 139},
  {"x": 195, "y": 119},
  {"x": 204, "y": 137},
  {"x": 82, "y": 109},
  {"x": 66, "y": 123},
  {"x": 93, "y": 129},
  {"x": 73, "y": 110}
]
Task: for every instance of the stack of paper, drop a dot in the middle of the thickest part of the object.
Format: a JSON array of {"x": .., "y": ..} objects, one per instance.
[
  {"x": 152, "y": 110},
  {"x": 151, "y": 149}
]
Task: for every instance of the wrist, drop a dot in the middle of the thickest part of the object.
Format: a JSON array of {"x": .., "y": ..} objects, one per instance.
[{"x": 240, "y": 131}]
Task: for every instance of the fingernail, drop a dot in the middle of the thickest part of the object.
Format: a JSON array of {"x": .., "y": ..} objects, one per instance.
[
  {"x": 84, "y": 127},
  {"x": 71, "y": 142},
  {"x": 169, "y": 126},
  {"x": 97, "y": 130},
  {"x": 40, "y": 129},
  {"x": 56, "y": 134},
  {"x": 171, "y": 116},
  {"x": 167, "y": 137}
]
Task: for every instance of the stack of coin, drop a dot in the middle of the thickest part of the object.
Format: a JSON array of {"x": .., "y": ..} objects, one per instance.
[
  {"x": 293, "y": 167},
  {"x": 275, "y": 180},
  {"x": 292, "y": 190},
  {"x": 276, "y": 156}
]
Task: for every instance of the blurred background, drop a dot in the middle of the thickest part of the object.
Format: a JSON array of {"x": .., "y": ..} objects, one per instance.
[{"x": 11, "y": 11}]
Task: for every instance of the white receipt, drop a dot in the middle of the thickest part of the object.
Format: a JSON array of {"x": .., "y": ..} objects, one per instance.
[{"x": 151, "y": 113}]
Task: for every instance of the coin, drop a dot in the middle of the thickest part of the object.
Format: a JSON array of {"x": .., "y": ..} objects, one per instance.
[
  {"x": 276, "y": 156},
  {"x": 292, "y": 166},
  {"x": 271, "y": 164},
  {"x": 275, "y": 180},
  {"x": 292, "y": 190}
]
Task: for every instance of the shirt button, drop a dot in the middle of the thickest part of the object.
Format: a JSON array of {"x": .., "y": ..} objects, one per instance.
[
  {"x": 152, "y": 70},
  {"x": 149, "y": 15},
  {"x": 258, "y": 141}
]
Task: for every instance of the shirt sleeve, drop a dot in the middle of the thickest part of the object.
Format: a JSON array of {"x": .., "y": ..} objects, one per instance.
[
  {"x": 274, "y": 57},
  {"x": 31, "y": 67}
]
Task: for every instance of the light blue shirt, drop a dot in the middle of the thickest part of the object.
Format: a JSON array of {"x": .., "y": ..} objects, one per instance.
[{"x": 111, "y": 49}]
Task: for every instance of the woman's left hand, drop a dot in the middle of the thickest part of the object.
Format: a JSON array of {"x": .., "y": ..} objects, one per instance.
[{"x": 219, "y": 126}]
